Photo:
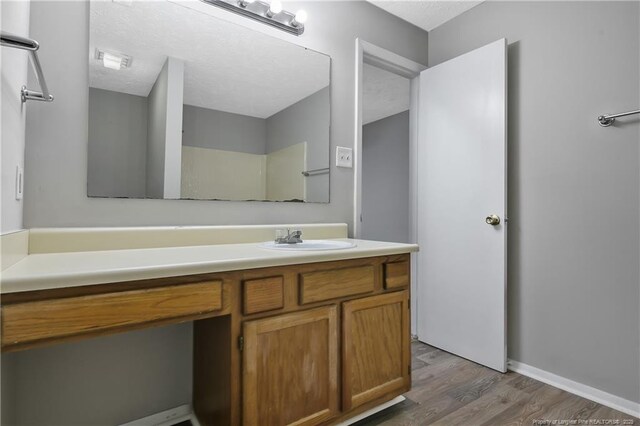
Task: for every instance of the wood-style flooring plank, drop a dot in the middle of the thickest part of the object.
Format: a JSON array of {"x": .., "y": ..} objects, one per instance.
[
  {"x": 529, "y": 408},
  {"x": 481, "y": 409},
  {"x": 448, "y": 390}
]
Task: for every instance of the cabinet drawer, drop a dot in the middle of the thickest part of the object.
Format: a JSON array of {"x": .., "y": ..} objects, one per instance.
[
  {"x": 396, "y": 274},
  {"x": 33, "y": 321},
  {"x": 335, "y": 283},
  {"x": 263, "y": 294}
]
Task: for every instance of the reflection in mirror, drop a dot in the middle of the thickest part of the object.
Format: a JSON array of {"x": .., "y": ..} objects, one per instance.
[{"x": 183, "y": 105}]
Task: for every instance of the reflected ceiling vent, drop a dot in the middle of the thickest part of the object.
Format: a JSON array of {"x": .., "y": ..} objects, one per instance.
[{"x": 113, "y": 60}]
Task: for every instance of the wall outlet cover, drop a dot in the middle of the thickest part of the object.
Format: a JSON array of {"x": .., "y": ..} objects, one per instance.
[
  {"x": 344, "y": 157},
  {"x": 19, "y": 183}
]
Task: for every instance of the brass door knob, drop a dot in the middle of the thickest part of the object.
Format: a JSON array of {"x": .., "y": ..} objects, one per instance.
[{"x": 493, "y": 220}]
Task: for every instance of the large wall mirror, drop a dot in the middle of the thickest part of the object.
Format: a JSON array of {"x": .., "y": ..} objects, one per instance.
[{"x": 183, "y": 105}]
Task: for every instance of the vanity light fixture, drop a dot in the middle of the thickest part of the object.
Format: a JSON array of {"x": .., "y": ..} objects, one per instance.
[
  {"x": 114, "y": 61},
  {"x": 275, "y": 7},
  {"x": 267, "y": 13},
  {"x": 299, "y": 19}
]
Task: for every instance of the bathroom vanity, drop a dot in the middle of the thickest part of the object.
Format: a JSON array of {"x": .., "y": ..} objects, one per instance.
[{"x": 279, "y": 337}]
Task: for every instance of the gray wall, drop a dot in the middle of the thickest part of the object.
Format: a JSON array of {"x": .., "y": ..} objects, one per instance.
[
  {"x": 573, "y": 196},
  {"x": 385, "y": 179},
  {"x": 57, "y": 132},
  {"x": 157, "y": 133},
  {"x": 56, "y": 179},
  {"x": 307, "y": 120},
  {"x": 104, "y": 381},
  {"x": 118, "y": 144},
  {"x": 15, "y": 19},
  {"x": 208, "y": 128}
]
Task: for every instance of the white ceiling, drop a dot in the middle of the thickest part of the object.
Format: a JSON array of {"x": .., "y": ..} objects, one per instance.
[
  {"x": 227, "y": 67},
  {"x": 426, "y": 14},
  {"x": 384, "y": 94}
]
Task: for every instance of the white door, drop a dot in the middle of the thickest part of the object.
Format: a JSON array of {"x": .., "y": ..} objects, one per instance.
[{"x": 461, "y": 184}]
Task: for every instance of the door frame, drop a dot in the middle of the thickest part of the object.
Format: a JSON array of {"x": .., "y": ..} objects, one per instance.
[{"x": 382, "y": 58}]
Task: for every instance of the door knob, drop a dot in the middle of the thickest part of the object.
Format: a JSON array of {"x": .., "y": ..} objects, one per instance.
[{"x": 493, "y": 220}]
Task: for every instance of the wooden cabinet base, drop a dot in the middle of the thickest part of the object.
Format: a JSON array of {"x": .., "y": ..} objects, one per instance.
[{"x": 309, "y": 344}]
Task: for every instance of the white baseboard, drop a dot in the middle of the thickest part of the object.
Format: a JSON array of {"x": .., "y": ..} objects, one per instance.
[
  {"x": 588, "y": 392},
  {"x": 167, "y": 418},
  {"x": 376, "y": 409}
]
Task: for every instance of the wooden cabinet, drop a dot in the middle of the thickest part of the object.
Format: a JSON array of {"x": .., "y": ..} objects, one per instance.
[
  {"x": 291, "y": 368},
  {"x": 304, "y": 344},
  {"x": 375, "y": 348},
  {"x": 290, "y": 360}
]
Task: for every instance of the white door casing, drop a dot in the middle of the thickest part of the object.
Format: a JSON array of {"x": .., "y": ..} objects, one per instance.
[
  {"x": 462, "y": 148},
  {"x": 366, "y": 52}
]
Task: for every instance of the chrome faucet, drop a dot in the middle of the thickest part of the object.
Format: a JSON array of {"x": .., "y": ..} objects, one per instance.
[{"x": 292, "y": 237}]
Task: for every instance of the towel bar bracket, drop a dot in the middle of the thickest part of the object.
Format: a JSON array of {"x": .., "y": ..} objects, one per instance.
[
  {"x": 32, "y": 95},
  {"x": 31, "y": 46},
  {"x": 608, "y": 119}
]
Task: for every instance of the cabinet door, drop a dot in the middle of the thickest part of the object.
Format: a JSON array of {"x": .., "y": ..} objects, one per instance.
[
  {"x": 291, "y": 368},
  {"x": 376, "y": 348}
]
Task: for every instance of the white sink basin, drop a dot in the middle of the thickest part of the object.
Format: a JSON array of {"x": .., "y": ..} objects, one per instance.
[{"x": 310, "y": 245}]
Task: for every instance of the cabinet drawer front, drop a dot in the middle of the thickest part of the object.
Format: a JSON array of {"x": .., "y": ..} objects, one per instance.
[
  {"x": 32, "y": 321},
  {"x": 396, "y": 274},
  {"x": 264, "y": 294},
  {"x": 332, "y": 284}
]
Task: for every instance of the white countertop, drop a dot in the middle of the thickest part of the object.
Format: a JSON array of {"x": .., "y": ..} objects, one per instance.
[{"x": 58, "y": 270}]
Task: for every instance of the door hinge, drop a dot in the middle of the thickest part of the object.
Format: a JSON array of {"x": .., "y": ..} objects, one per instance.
[
  {"x": 241, "y": 343},
  {"x": 409, "y": 370}
]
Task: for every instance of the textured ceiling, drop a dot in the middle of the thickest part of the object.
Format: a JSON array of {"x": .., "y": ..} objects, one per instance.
[
  {"x": 426, "y": 14},
  {"x": 227, "y": 67},
  {"x": 384, "y": 94}
]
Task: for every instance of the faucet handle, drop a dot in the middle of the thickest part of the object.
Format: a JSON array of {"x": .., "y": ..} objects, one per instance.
[
  {"x": 281, "y": 234},
  {"x": 295, "y": 236}
]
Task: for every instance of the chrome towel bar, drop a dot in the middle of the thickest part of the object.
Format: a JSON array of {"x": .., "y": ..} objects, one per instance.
[
  {"x": 17, "y": 42},
  {"x": 609, "y": 119},
  {"x": 316, "y": 172}
]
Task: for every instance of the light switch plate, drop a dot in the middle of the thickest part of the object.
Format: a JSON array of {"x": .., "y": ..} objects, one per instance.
[{"x": 344, "y": 157}]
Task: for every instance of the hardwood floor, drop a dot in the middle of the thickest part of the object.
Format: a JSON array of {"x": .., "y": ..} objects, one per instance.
[{"x": 448, "y": 391}]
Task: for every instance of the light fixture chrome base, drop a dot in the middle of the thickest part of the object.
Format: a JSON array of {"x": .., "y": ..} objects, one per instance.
[
  {"x": 259, "y": 11},
  {"x": 31, "y": 95}
]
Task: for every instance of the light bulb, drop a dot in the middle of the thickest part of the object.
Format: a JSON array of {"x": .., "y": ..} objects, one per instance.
[
  {"x": 111, "y": 61},
  {"x": 275, "y": 7},
  {"x": 245, "y": 3},
  {"x": 300, "y": 18}
]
